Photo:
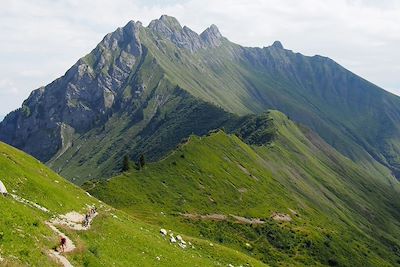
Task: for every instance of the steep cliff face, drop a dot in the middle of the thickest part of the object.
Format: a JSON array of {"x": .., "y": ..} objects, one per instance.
[
  {"x": 137, "y": 75},
  {"x": 82, "y": 99}
]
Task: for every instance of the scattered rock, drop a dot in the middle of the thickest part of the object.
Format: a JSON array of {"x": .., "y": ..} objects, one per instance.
[
  {"x": 246, "y": 171},
  {"x": 163, "y": 232},
  {"x": 294, "y": 212},
  {"x": 242, "y": 190},
  {"x": 281, "y": 217},
  {"x": 3, "y": 189}
]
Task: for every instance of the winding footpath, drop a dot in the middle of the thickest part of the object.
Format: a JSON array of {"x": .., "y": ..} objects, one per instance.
[
  {"x": 69, "y": 246},
  {"x": 73, "y": 220}
]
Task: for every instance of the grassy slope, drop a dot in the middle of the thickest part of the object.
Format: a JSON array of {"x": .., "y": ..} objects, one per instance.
[
  {"x": 99, "y": 153},
  {"x": 345, "y": 216},
  {"x": 115, "y": 238}
]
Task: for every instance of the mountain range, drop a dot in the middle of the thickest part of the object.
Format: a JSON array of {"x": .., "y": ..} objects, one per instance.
[
  {"x": 138, "y": 78},
  {"x": 283, "y": 158}
]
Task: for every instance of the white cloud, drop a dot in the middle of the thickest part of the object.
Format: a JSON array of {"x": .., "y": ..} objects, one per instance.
[{"x": 41, "y": 39}]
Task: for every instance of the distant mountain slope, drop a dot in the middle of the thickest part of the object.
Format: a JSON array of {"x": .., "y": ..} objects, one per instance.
[
  {"x": 132, "y": 82},
  {"x": 340, "y": 214},
  {"x": 161, "y": 128},
  {"x": 114, "y": 239}
]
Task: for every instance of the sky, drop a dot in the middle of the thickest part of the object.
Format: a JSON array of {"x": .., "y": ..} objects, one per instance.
[{"x": 41, "y": 39}]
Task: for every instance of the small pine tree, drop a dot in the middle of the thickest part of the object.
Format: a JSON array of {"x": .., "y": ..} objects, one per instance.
[
  {"x": 125, "y": 163},
  {"x": 141, "y": 161}
]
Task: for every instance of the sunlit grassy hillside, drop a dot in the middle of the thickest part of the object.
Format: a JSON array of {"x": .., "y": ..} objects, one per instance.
[
  {"x": 340, "y": 214},
  {"x": 114, "y": 239}
]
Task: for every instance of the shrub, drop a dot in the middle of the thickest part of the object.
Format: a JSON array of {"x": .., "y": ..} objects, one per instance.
[{"x": 125, "y": 163}]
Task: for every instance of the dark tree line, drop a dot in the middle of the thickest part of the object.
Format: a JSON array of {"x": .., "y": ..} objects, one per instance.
[{"x": 126, "y": 163}]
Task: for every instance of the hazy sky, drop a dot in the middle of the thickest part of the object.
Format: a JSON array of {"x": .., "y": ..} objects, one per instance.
[{"x": 41, "y": 39}]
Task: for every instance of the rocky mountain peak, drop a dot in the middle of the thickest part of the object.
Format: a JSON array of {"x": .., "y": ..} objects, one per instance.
[
  {"x": 212, "y": 36},
  {"x": 165, "y": 25},
  {"x": 172, "y": 22},
  {"x": 212, "y": 30},
  {"x": 277, "y": 44},
  {"x": 127, "y": 36}
]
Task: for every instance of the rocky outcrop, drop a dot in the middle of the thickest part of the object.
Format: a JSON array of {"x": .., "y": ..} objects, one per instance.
[
  {"x": 168, "y": 28},
  {"x": 211, "y": 36},
  {"x": 82, "y": 98}
]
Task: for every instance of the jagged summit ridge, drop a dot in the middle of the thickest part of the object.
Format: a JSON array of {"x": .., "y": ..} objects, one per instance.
[{"x": 167, "y": 27}]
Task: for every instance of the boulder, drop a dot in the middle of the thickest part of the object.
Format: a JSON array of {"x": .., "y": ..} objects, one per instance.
[
  {"x": 163, "y": 232},
  {"x": 3, "y": 189}
]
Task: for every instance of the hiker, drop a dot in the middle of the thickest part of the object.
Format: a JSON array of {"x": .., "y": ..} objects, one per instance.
[{"x": 63, "y": 243}]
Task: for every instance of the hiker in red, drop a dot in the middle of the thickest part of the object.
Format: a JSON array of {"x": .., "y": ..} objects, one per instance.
[{"x": 63, "y": 243}]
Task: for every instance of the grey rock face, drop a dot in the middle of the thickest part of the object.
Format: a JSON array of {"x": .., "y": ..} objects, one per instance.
[
  {"x": 277, "y": 45},
  {"x": 211, "y": 36},
  {"x": 168, "y": 28},
  {"x": 79, "y": 100}
]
